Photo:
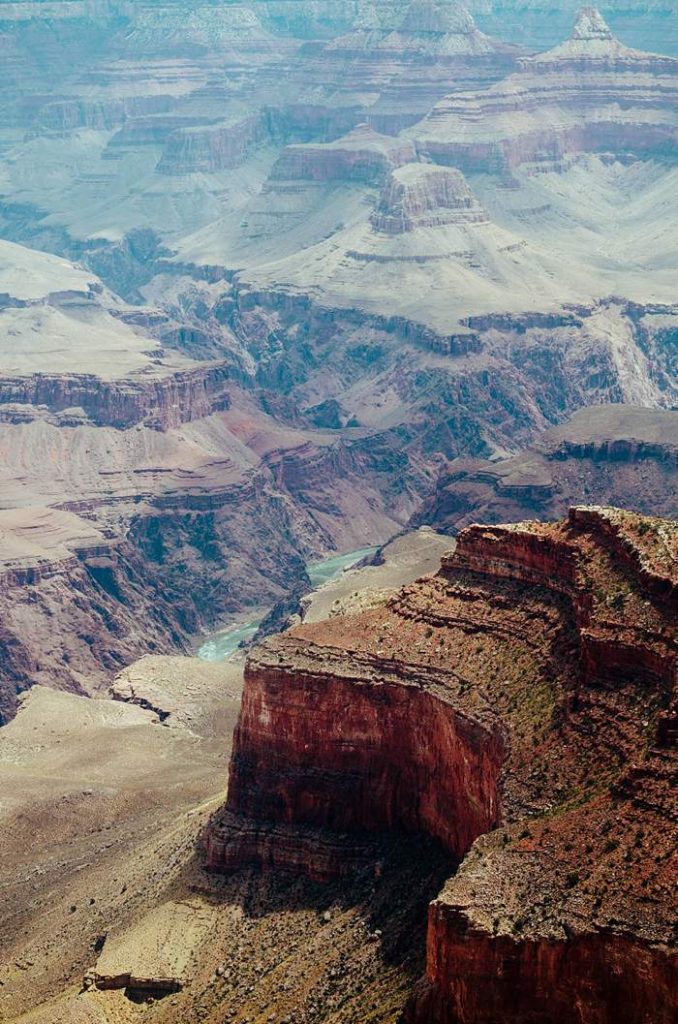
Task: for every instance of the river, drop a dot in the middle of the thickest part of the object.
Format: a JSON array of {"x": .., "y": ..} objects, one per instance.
[{"x": 222, "y": 645}]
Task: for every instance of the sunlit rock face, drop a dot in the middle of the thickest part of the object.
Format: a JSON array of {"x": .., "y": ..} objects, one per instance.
[{"x": 518, "y": 700}]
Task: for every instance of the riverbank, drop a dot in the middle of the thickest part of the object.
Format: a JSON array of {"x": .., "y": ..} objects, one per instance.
[{"x": 225, "y": 643}]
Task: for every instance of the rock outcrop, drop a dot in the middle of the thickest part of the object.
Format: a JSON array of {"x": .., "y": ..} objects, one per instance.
[
  {"x": 621, "y": 454},
  {"x": 168, "y": 401},
  {"x": 211, "y": 148},
  {"x": 362, "y": 155},
  {"x": 69, "y": 344},
  {"x": 424, "y": 196},
  {"x": 559, "y": 104},
  {"x": 519, "y": 707}
]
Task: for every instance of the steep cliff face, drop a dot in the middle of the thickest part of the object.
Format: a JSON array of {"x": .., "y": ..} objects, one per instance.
[
  {"x": 163, "y": 403},
  {"x": 517, "y": 707},
  {"x": 420, "y": 196},
  {"x": 361, "y": 155},
  {"x": 482, "y": 978},
  {"x": 211, "y": 148},
  {"x": 107, "y": 600},
  {"x": 317, "y": 772},
  {"x": 68, "y": 343}
]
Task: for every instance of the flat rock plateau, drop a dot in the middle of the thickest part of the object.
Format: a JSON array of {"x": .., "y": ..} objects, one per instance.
[{"x": 281, "y": 281}]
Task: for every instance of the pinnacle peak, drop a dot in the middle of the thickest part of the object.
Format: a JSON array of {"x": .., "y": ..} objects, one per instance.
[{"x": 590, "y": 24}]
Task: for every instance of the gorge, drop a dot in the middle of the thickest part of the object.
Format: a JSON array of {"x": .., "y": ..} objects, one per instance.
[{"x": 288, "y": 288}]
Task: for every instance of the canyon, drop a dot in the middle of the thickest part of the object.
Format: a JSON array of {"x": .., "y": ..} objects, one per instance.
[
  {"x": 622, "y": 455},
  {"x": 191, "y": 489},
  {"x": 281, "y": 281},
  {"x": 116, "y": 907},
  {"x": 542, "y": 654}
]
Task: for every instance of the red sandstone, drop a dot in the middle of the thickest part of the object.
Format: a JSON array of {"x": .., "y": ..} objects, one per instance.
[{"x": 518, "y": 708}]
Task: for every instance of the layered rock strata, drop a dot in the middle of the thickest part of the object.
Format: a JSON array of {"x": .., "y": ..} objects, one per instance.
[
  {"x": 67, "y": 343},
  {"x": 211, "y": 148},
  {"x": 623, "y": 454},
  {"x": 105, "y": 596},
  {"x": 171, "y": 462},
  {"x": 591, "y": 94},
  {"x": 518, "y": 707},
  {"x": 392, "y": 66},
  {"x": 423, "y": 196},
  {"x": 361, "y": 155},
  {"x": 163, "y": 403}
]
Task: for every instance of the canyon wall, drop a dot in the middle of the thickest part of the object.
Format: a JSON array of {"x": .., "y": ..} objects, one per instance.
[
  {"x": 211, "y": 148},
  {"x": 551, "y": 118},
  {"x": 362, "y": 155},
  {"x": 359, "y": 755},
  {"x": 164, "y": 403},
  {"x": 494, "y": 707},
  {"x": 623, "y": 454},
  {"x": 474, "y": 977},
  {"x": 108, "y": 601}
]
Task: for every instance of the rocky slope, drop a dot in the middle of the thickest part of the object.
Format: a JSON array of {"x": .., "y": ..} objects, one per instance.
[
  {"x": 70, "y": 347},
  {"x": 540, "y": 24},
  {"x": 109, "y": 605},
  {"x": 150, "y": 121},
  {"x": 116, "y": 907},
  {"x": 87, "y": 784},
  {"x": 176, "y": 537},
  {"x": 192, "y": 145},
  {"x": 146, "y": 494},
  {"x": 519, "y": 708},
  {"x": 623, "y": 455}
]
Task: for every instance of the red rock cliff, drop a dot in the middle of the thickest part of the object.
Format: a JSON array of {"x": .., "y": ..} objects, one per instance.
[
  {"x": 518, "y": 708},
  {"x": 369, "y": 752}
]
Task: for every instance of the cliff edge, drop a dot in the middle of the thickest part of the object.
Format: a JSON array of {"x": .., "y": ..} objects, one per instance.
[{"x": 519, "y": 708}]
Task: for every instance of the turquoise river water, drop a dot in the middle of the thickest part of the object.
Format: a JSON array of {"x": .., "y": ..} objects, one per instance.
[{"x": 222, "y": 645}]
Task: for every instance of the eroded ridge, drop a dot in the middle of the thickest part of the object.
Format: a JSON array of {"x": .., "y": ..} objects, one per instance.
[{"x": 519, "y": 707}]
